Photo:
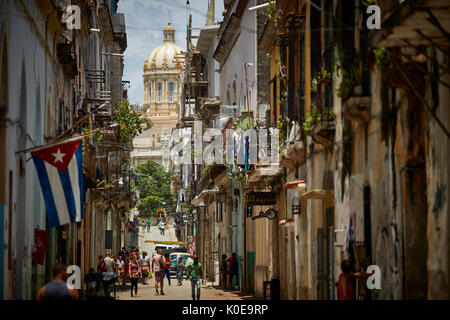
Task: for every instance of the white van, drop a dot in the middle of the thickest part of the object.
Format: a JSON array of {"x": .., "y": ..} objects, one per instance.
[{"x": 164, "y": 247}]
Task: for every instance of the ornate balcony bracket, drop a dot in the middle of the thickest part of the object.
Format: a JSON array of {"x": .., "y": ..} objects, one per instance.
[
  {"x": 296, "y": 151},
  {"x": 323, "y": 133},
  {"x": 357, "y": 109}
]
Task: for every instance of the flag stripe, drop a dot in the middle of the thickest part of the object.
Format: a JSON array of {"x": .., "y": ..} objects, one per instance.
[
  {"x": 68, "y": 192},
  {"x": 50, "y": 205},
  {"x": 79, "y": 156},
  {"x": 58, "y": 192},
  {"x": 72, "y": 169}
]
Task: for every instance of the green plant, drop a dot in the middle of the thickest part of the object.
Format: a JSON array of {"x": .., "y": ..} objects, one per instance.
[
  {"x": 380, "y": 58},
  {"x": 205, "y": 171},
  {"x": 322, "y": 77},
  {"x": 272, "y": 11},
  {"x": 308, "y": 125},
  {"x": 282, "y": 127},
  {"x": 130, "y": 120},
  {"x": 351, "y": 76},
  {"x": 153, "y": 184},
  {"x": 316, "y": 116},
  {"x": 315, "y": 85},
  {"x": 367, "y": 3}
]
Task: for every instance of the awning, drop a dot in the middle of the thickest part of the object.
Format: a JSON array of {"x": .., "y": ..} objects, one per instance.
[
  {"x": 296, "y": 185},
  {"x": 264, "y": 171},
  {"x": 196, "y": 201},
  {"x": 318, "y": 194}
]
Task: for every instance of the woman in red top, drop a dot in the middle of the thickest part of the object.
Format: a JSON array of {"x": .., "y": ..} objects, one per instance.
[
  {"x": 101, "y": 267},
  {"x": 345, "y": 287}
]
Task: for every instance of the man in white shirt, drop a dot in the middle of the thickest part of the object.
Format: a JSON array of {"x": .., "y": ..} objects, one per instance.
[{"x": 109, "y": 263}]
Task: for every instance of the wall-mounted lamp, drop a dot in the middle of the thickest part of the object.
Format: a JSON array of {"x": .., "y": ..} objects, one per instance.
[{"x": 296, "y": 206}]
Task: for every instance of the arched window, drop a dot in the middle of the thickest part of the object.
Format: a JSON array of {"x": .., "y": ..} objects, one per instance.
[
  {"x": 159, "y": 92},
  {"x": 171, "y": 92}
]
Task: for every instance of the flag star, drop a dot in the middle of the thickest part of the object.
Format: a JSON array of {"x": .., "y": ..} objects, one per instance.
[{"x": 58, "y": 156}]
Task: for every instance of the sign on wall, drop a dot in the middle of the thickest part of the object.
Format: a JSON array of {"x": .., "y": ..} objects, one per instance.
[{"x": 260, "y": 198}]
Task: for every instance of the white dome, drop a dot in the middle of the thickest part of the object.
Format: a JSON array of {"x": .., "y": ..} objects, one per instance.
[{"x": 164, "y": 56}]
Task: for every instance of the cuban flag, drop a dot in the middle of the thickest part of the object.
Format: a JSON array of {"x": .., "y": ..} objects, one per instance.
[{"x": 60, "y": 171}]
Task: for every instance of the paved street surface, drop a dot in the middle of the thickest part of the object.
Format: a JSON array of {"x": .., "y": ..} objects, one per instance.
[{"x": 173, "y": 292}]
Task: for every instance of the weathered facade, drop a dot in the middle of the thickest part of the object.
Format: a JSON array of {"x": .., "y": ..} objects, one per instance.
[
  {"x": 48, "y": 73},
  {"x": 364, "y": 136}
]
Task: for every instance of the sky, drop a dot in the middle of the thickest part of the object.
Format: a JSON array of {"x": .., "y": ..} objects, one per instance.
[{"x": 145, "y": 21}]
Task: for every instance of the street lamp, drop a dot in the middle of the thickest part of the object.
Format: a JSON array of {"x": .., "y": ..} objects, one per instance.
[{"x": 185, "y": 221}]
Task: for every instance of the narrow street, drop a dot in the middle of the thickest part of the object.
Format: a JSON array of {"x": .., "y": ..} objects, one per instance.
[
  {"x": 296, "y": 149},
  {"x": 173, "y": 292}
]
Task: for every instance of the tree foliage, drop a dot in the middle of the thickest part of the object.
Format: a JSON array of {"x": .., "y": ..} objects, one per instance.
[
  {"x": 130, "y": 120},
  {"x": 153, "y": 184}
]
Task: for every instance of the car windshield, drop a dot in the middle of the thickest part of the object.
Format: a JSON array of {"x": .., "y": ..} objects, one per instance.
[{"x": 175, "y": 257}]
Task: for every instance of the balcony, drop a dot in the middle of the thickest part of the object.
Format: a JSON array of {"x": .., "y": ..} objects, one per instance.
[
  {"x": 105, "y": 23},
  {"x": 67, "y": 59},
  {"x": 118, "y": 21}
]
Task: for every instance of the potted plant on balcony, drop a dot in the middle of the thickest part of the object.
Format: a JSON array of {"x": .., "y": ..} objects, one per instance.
[
  {"x": 351, "y": 82},
  {"x": 322, "y": 78},
  {"x": 320, "y": 125}
]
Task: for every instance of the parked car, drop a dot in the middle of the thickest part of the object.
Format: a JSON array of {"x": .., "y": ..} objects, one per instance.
[
  {"x": 174, "y": 256},
  {"x": 164, "y": 247}
]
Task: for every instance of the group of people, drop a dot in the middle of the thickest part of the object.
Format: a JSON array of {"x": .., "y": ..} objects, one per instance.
[
  {"x": 126, "y": 265},
  {"x": 230, "y": 271}
]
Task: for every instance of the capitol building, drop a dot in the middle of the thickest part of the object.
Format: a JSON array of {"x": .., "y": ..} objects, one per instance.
[{"x": 161, "y": 75}]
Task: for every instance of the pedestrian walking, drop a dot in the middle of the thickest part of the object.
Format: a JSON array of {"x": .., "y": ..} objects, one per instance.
[
  {"x": 344, "y": 284},
  {"x": 148, "y": 225},
  {"x": 90, "y": 283},
  {"x": 123, "y": 253},
  {"x": 346, "y": 281},
  {"x": 57, "y": 290},
  {"x": 134, "y": 270},
  {"x": 179, "y": 270},
  {"x": 167, "y": 267},
  {"x": 195, "y": 274},
  {"x": 224, "y": 270},
  {"x": 101, "y": 266},
  {"x": 158, "y": 266},
  {"x": 109, "y": 263},
  {"x": 126, "y": 271},
  {"x": 145, "y": 266},
  {"x": 120, "y": 266},
  {"x": 233, "y": 270},
  {"x": 162, "y": 227}
]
